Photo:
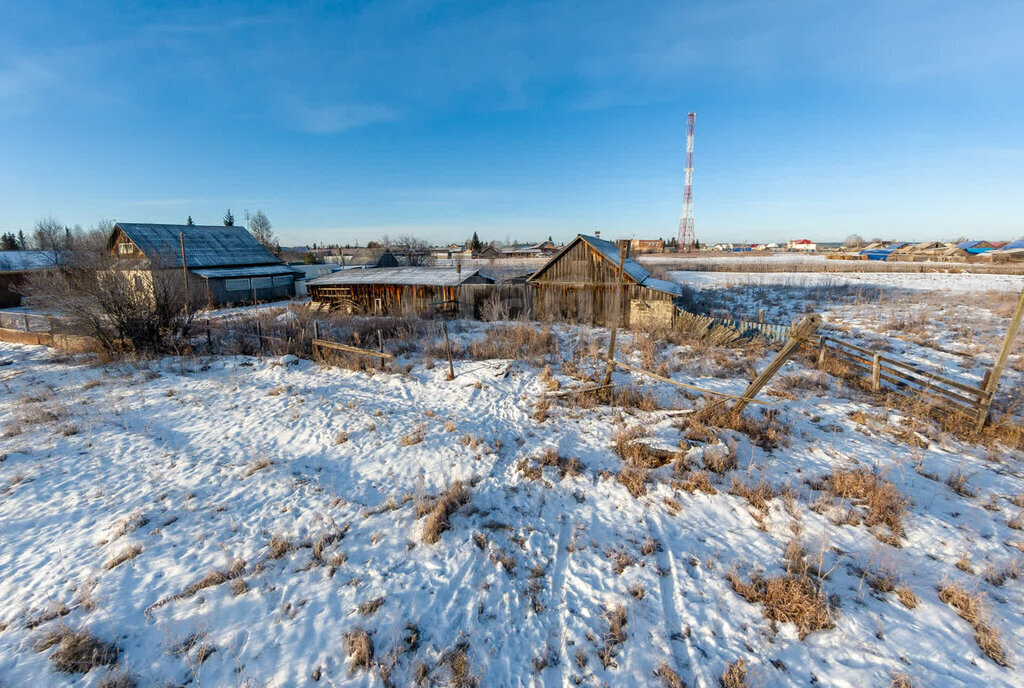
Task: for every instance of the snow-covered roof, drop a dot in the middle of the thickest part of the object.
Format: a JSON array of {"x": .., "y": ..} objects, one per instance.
[
  {"x": 418, "y": 276},
  {"x": 255, "y": 271},
  {"x": 205, "y": 246},
  {"x": 15, "y": 261}
]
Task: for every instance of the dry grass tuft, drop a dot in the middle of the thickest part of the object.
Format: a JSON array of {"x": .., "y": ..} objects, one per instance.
[
  {"x": 634, "y": 479},
  {"x": 884, "y": 502},
  {"x": 757, "y": 494},
  {"x": 669, "y": 678},
  {"x": 615, "y": 636},
  {"x": 459, "y": 668},
  {"x": 371, "y": 606},
  {"x": 719, "y": 458},
  {"x": 735, "y": 675},
  {"x": 255, "y": 466},
  {"x": 414, "y": 437},
  {"x": 447, "y": 504},
  {"x": 360, "y": 649},
  {"x": 121, "y": 678},
  {"x": 790, "y": 598},
  {"x": 129, "y": 552},
  {"x": 766, "y": 430},
  {"x": 516, "y": 342},
  {"x": 971, "y": 608},
  {"x": 906, "y": 597},
  {"x": 77, "y": 652},
  {"x": 341, "y": 437},
  {"x": 957, "y": 482},
  {"x": 697, "y": 481},
  {"x": 278, "y": 547},
  {"x": 640, "y": 454},
  {"x": 901, "y": 681}
]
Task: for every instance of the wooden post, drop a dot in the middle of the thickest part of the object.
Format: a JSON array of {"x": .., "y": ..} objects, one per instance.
[
  {"x": 184, "y": 270},
  {"x": 209, "y": 339},
  {"x": 259, "y": 336},
  {"x": 316, "y": 336},
  {"x": 821, "y": 351},
  {"x": 610, "y": 366},
  {"x": 760, "y": 315},
  {"x": 876, "y": 372},
  {"x": 800, "y": 333},
  {"x": 448, "y": 350},
  {"x": 27, "y": 328},
  {"x": 992, "y": 383},
  {"x": 380, "y": 347}
]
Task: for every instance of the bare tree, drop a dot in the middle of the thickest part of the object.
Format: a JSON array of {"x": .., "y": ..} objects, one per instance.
[
  {"x": 415, "y": 251},
  {"x": 261, "y": 228},
  {"x": 854, "y": 241},
  {"x": 118, "y": 304},
  {"x": 51, "y": 236}
]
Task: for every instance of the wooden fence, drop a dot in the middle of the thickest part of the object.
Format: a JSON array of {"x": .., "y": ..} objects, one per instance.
[
  {"x": 743, "y": 328},
  {"x": 906, "y": 379}
]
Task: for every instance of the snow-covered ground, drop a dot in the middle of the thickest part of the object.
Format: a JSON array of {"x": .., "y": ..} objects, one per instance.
[
  {"x": 270, "y": 508},
  {"x": 926, "y": 281}
]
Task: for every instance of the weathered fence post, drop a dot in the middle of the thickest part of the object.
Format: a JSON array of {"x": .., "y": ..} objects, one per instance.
[
  {"x": 876, "y": 372},
  {"x": 821, "y": 351},
  {"x": 316, "y": 336},
  {"x": 992, "y": 382},
  {"x": 760, "y": 315},
  {"x": 607, "y": 381},
  {"x": 448, "y": 351},
  {"x": 380, "y": 347},
  {"x": 799, "y": 334},
  {"x": 209, "y": 339},
  {"x": 259, "y": 336}
]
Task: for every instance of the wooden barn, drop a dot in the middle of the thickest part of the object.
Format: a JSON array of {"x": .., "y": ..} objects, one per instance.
[
  {"x": 15, "y": 267},
  {"x": 398, "y": 290},
  {"x": 579, "y": 282},
  {"x": 223, "y": 264}
]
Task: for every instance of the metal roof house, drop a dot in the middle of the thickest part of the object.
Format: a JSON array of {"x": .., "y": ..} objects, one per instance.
[
  {"x": 15, "y": 267},
  {"x": 372, "y": 258},
  {"x": 579, "y": 283},
  {"x": 395, "y": 290},
  {"x": 223, "y": 264}
]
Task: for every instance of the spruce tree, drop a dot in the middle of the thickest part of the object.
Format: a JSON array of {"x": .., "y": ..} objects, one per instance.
[
  {"x": 229, "y": 219},
  {"x": 189, "y": 222}
]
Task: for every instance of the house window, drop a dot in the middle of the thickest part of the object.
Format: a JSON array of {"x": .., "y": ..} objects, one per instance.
[
  {"x": 125, "y": 248},
  {"x": 261, "y": 283},
  {"x": 236, "y": 285},
  {"x": 282, "y": 280}
]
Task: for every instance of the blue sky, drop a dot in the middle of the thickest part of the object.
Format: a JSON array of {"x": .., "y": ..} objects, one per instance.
[{"x": 345, "y": 121}]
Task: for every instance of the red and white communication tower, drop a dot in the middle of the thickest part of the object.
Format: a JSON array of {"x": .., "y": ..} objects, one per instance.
[{"x": 686, "y": 235}]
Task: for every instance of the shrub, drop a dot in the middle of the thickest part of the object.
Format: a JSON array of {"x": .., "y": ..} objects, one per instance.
[
  {"x": 787, "y": 598},
  {"x": 77, "y": 651},
  {"x": 447, "y": 504}
]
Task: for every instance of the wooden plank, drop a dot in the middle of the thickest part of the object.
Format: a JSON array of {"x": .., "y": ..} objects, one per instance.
[
  {"x": 798, "y": 335},
  {"x": 703, "y": 390},
  {"x": 350, "y": 349},
  {"x": 977, "y": 391},
  {"x": 997, "y": 368},
  {"x": 962, "y": 403}
]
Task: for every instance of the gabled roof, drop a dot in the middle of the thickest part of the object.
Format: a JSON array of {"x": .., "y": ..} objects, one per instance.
[
  {"x": 1019, "y": 243},
  {"x": 373, "y": 258},
  {"x": 410, "y": 276},
  {"x": 18, "y": 261},
  {"x": 205, "y": 246},
  {"x": 610, "y": 252}
]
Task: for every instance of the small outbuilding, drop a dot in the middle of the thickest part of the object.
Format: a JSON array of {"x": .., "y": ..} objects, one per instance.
[
  {"x": 400, "y": 290},
  {"x": 15, "y": 267},
  {"x": 579, "y": 284}
]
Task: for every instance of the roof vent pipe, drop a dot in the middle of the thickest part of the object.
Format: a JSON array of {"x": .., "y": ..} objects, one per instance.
[
  {"x": 458, "y": 268},
  {"x": 597, "y": 234}
]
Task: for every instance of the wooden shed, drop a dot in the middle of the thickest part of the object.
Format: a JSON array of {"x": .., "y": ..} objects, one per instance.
[
  {"x": 579, "y": 282},
  {"x": 397, "y": 290}
]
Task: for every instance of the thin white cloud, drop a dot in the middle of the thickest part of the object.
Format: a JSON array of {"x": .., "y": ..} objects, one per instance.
[{"x": 334, "y": 118}]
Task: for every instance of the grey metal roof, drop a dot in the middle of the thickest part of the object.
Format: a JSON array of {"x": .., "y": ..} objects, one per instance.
[
  {"x": 417, "y": 276},
  {"x": 255, "y": 271},
  {"x": 15, "y": 261},
  {"x": 205, "y": 247}
]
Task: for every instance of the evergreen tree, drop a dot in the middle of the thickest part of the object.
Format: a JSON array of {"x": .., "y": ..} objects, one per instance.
[
  {"x": 189, "y": 222},
  {"x": 21, "y": 239},
  {"x": 474, "y": 243},
  {"x": 8, "y": 242},
  {"x": 229, "y": 219}
]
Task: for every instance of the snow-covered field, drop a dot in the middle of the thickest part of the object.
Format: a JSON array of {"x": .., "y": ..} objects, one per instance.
[
  {"x": 236, "y": 521},
  {"x": 927, "y": 281}
]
